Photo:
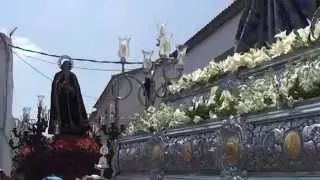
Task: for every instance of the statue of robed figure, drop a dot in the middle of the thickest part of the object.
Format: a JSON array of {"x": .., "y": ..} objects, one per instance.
[{"x": 67, "y": 113}]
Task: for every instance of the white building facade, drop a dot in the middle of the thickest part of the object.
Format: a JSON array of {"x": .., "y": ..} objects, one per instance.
[{"x": 6, "y": 98}]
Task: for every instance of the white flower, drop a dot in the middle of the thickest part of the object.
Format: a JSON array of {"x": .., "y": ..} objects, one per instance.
[
  {"x": 226, "y": 99},
  {"x": 259, "y": 56},
  {"x": 197, "y": 119},
  {"x": 281, "y": 35},
  {"x": 278, "y": 48},
  {"x": 316, "y": 32},
  {"x": 151, "y": 109},
  {"x": 213, "y": 69},
  {"x": 243, "y": 108},
  {"x": 284, "y": 44},
  {"x": 247, "y": 60},
  {"x": 212, "y": 96},
  {"x": 289, "y": 40},
  {"x": 199, "y": 75},
  {"x": 212, "y": 115},
  {"x": 304, "y": 33}
]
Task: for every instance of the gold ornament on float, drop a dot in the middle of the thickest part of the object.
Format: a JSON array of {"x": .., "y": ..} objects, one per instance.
[
  {"x": 187, "y": 152},
  {"x": 133, "y": 152},
  {"x": 155, "y": 153},
  {"x": 232, "y": 148},
  {"x": 292, "y": 145}
]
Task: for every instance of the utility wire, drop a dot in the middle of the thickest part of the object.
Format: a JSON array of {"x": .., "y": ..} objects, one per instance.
[
  {"x": 75, "y": 59},
  {"x": 44, "y": 75},
  {"x": 32, "y": 67},
  {"x": 76, "y": 67}
]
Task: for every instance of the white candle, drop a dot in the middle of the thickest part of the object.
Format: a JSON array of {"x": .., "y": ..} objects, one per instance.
[
  {"x": 124, "y": 48},
  {"x": 162, "y": 30},
  {"x": 147, "y": 63},
  {"x": 182, "y": 50}
]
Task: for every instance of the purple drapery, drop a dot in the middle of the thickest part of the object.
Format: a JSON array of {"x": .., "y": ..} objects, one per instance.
[{"x": 262, "y": 19}]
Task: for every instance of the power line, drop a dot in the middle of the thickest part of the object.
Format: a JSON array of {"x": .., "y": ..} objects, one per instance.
[
  {"x": 44, "y": 75},
  {"x": 75, "y": 59},
  {"x": 34, "y": 68},
  {"x": 76, "y": 67}
]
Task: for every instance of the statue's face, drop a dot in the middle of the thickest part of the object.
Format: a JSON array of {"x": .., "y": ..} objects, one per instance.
[{"x": 66, "y": 66}]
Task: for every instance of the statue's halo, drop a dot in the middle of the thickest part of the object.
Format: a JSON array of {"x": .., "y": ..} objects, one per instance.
[{"x": 63, "y": 59}]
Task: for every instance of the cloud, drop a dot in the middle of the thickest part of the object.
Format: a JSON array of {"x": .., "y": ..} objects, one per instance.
[
  {"x": 22, "y": 42},
  {"x": 25, "y": 43}
]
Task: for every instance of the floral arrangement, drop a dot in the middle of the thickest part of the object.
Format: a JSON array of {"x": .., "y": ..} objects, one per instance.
[
  {"x": 300, "y": 81},
  {"x": 258, "y": 94},
  {"x": 66, "y": 156},
  {"x": 75, "y": 144},
  {"x": 157, "y": 119},
  {"x": 284, "y": 43}
]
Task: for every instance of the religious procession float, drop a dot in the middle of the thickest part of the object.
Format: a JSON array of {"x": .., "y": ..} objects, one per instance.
[
  {"x": 67, "y": 151},
  {"x": 254, "y": 115}
]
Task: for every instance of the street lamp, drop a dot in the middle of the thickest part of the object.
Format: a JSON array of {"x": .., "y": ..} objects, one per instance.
[
  {"x": 28, "y": 131},
  {"x": 103, "y": 161},
  {"x": 148, "y": 87}
]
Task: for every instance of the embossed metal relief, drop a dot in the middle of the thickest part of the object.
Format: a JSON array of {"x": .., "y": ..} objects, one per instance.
[
  {"x": 292, "y": 145},
  {"x": 156, "y": 148},
  {"x": 289, "y": 144},
  {"x": 187, "y": 152},
  {"x": 194, "y": 152},
  {"x": 155, "y": 153},
  {"x": 232, "y": 149},
  {"x": 285, "y": 145}
]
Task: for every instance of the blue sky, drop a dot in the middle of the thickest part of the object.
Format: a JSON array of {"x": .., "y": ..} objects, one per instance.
[{"x": 90, "y": 29}]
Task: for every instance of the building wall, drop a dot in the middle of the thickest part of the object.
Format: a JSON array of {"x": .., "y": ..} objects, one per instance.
[
  {"x": 106, "y": 108},
  {"x": 6, "y": 95},
  {"x": 131, "y": 104},
  {"x": 216, "y": 44}
]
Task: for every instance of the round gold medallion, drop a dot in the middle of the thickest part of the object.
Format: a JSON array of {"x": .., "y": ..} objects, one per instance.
[
  {"x": 133, "y": 152},
  {"x": 187, "y": 152},
  {"x": 292, "y": 145},
  {"x": 155, "y": 153},
  {"x": 232, "y": 148}
]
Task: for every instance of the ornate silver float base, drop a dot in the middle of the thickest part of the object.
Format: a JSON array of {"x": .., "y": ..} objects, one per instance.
[{"x": 280, "y": 144}]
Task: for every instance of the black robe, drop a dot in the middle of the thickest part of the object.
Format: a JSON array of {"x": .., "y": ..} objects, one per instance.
[
  {"x": 262, "y": 19},
  {"x": 67, "y": 102}
]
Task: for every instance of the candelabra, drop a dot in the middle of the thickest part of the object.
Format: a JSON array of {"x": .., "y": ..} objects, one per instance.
[
  {"x": 103, "y": 162},
  {"x": 148, "y": 87},
  {"x": 29, "y": 132}
]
